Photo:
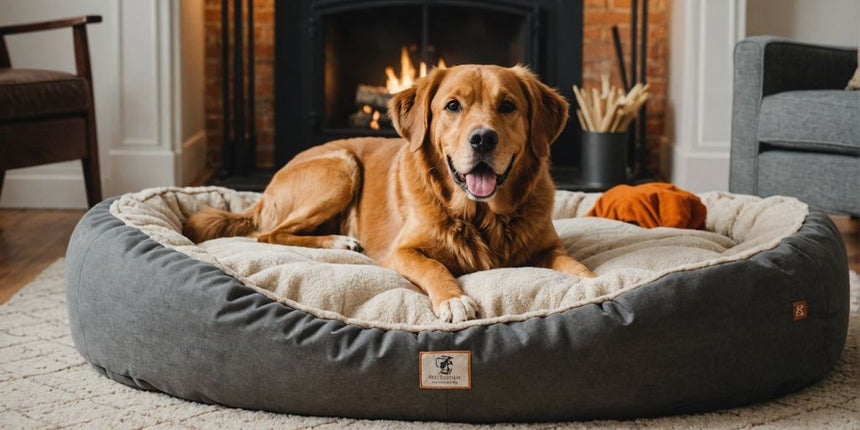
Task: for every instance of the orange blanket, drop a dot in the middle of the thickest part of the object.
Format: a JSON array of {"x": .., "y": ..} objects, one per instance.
[{"x": 656, "y": 204}]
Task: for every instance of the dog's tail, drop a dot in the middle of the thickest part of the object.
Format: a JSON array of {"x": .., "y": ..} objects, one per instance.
[{"x": 211, "y": 223}]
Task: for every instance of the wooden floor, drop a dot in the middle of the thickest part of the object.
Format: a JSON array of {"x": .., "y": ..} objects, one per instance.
[
  {"x": 850, "y": 229},
  {"x": 30, "y": 240}
]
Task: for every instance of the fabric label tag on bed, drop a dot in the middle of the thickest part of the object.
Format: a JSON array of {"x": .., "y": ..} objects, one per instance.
[
  {"x": 445, "y": 370},
  {"x": 799, "y": 310}
]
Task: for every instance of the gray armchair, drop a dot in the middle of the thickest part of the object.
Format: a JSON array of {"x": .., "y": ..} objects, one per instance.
[{"x": 795, "y": 130}]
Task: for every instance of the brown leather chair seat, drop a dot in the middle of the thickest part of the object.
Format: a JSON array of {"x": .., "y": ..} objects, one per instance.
[{"x": 32, "y": 93}]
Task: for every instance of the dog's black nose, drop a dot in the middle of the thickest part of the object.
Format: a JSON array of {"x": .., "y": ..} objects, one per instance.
[{"x": 483, "y": 139}]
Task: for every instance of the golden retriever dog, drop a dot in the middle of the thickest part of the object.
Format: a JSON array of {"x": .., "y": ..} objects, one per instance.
[{"x": 468, "y": 187}]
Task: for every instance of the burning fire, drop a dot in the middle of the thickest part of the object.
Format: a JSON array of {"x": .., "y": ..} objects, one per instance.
[
  {"x": 374, "y": 119},
  {"x": 373, "y": 100},
  {"x": 407, "y": 73},
  {"x": 374, "y": 123}
]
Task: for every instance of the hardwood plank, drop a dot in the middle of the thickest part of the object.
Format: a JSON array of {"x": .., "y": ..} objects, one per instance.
[
  {"x": 850, "y": 229},
  {"x": 30, "y": 240}
]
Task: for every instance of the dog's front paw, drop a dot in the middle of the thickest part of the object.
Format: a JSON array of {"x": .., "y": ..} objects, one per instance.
[
  {"x": 458, "y": 309},
  {"x": 346, "y": 242},
  {"x": 566, "y": 264},
  {"x": 587, "y": 274}
]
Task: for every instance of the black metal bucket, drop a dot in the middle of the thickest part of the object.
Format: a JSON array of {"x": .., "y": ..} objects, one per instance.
[{"x": 604, "y": 158}]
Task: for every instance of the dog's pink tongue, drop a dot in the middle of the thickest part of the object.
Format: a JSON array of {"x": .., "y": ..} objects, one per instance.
[{"x": 481, "y": 184}]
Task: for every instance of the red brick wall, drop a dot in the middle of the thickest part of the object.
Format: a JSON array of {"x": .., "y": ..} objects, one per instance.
[
  {"x": 598, "y": 58},
  {"x": 598, "y": 54}
]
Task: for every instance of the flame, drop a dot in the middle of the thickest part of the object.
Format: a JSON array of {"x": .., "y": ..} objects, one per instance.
[
  {"x": 374, "y": 123},
  {"x": 396, "y": 84}
]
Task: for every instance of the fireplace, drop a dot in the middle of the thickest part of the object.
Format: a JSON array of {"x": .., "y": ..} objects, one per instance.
[
  {"x": 366, "y": 59},
  {"x": 336, "y": 59}
]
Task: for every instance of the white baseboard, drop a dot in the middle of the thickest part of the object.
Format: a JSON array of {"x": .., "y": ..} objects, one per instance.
[
  {"x": 193, "y": 157},
  {"x": 699, "y": 171},
  {"x": 61, "y": 185},
  {"x": 52, "y": 186}
]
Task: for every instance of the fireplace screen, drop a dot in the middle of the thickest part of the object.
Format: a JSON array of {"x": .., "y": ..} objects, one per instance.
[{"x": 372, "y": 53}]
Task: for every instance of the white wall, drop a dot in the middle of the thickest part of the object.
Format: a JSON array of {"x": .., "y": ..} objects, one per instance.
[
  {"x": 703, "y": 35},
  {"x": 193, "y": 89},
  {"x": 141, "y": 104},
  {"x": 831, "y": 22},
  {"x": 192, "y": 56}
]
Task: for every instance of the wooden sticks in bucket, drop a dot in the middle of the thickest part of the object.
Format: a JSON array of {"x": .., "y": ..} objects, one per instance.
[{"x": 609, "y": 110}]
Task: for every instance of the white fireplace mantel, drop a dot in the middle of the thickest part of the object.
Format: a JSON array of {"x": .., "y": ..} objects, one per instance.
[
  {"x": 703, "y": 36},
  {"x": 151, "y": 129}
]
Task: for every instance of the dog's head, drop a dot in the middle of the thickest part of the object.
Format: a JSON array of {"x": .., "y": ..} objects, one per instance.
[{"x": 484, "y": 123}]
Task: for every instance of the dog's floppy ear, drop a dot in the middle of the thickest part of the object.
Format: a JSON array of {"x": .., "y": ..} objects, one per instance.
[
  {"x": 410, "y": 109},
  {"x": 548, "y": 111}
]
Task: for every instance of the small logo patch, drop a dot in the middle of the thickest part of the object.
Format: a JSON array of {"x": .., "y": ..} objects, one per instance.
[
  {"x": 445, "y": 370},
  {"x": 799, "y": 310}
]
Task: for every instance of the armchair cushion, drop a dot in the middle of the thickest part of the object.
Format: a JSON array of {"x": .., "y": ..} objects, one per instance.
[
  {"x": 814, "y": 120},
  {"x": 26, "y": 93}
]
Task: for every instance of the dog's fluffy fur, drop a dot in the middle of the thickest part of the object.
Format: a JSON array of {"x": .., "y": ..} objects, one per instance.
[{"x": 430, "y": 206}]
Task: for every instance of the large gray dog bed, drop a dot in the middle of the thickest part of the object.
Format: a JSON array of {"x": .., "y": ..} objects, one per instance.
[{"x": 677, "y": 321}]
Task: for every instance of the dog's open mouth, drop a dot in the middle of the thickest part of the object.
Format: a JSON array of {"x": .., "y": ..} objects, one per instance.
[{"x": 481, "y": 182}]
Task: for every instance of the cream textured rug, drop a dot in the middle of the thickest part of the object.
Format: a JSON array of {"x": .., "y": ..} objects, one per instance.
[{"x": 44, "y": 383}]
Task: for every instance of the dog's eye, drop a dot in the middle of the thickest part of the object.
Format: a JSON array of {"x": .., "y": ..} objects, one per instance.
[
  {"x": 453, "y": 106},
  {"x": 507, "y": 107}
]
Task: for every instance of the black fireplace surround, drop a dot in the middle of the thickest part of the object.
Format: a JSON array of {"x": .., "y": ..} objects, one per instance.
[{"x": 324, "y": 49}]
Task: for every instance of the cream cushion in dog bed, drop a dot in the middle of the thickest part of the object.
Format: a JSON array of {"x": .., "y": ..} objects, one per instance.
[{"x": 349, "y": 287}]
